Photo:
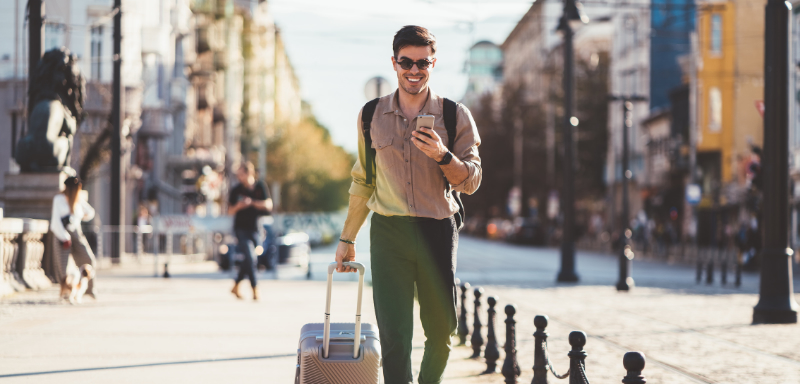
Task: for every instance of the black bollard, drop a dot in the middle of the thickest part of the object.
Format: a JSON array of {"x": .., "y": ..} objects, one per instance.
[
  {"x": 710, "y": 268},
  {"x": 634, "y": 364},
  {"x": 463, "y": 328},
  {"x": 477, "y": 339},
  {"x": 723, "y": 268},
  {"x": 699, "y": 267},
  {"x": 539, "y": 354},
  {"x": 577, "y": 365},
  {"x": 491, "y": 353},
  {"x": 510, "y": 369},
  {"x": 166, "y": 270},
  {"x": 738, "y": 281}
]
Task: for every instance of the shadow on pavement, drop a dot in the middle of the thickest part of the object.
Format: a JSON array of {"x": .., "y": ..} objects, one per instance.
[{"x": 148, "y": 365}]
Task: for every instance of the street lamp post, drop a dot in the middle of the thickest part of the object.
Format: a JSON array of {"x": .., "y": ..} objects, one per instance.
[
  {"x": 36, "y": 41},
  {"x": 776, "y": 302},
  {"x": 572, "y": 17},
  {"x": 625, "y": 281},
  {"x": 117, "y": 118}
]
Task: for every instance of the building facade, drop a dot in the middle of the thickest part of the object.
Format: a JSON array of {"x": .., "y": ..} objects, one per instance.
[
  {"x": 630, "y": 76},
  {"x": 205, "y": 82},
  {"x": 484, "y": 71},
  {"x": 729, "y": 93}
]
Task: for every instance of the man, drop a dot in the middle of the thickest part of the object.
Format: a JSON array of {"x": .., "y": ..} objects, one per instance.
[
  {"x": 248, "y": 201},
  {"x": 413, "y": 232}
]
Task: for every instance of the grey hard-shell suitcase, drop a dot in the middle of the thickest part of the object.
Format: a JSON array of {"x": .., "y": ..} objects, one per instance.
[{"x": 332, "y": 353}]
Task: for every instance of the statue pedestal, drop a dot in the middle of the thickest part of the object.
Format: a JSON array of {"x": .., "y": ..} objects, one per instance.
[{"x": 30, "y": 195}]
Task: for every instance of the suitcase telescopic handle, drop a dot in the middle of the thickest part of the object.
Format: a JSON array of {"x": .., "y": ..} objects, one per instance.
[{"x": 326, "y": 336}]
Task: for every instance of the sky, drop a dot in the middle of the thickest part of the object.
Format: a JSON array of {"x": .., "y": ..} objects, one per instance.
[{"x": 337, "y": 46}]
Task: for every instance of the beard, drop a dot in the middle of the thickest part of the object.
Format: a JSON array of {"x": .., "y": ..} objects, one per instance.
[{"x": 412, "y": 89}]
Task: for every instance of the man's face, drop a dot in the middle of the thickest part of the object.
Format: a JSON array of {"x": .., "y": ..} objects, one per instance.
[
  {"x": 243, "y": 175},
  {"x": 414, "y": 80}
]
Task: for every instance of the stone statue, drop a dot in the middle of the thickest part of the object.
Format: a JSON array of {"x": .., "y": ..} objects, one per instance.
[{"x": 55, "y": 110}]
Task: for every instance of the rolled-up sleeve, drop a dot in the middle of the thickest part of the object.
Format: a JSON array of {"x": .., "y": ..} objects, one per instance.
[
  {"x": 359, "y": 186},
  {"x": 466, "y": 149}
]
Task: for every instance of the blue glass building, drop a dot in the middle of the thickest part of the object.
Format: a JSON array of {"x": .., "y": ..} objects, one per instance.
[{"x": 671, "y": 23}]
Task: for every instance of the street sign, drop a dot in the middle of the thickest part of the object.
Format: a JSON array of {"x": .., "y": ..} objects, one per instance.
[
  {"x": 377, "y": 87},
  {"x": 693, "y": 194},
  {"x": 760, "y": 107}
]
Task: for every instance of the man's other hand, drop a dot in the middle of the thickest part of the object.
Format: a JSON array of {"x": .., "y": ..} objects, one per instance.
[{"x": 345, "y": 252}]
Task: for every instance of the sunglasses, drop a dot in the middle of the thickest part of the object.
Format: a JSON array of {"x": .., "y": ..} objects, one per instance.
[{"x": 407, "y": 63}]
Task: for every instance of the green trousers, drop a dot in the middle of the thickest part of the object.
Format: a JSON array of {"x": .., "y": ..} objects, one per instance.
[{"x": 409, "y": 253}]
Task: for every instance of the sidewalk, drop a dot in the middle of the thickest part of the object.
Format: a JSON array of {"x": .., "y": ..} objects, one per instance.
[{"x": 191, "y": 329}]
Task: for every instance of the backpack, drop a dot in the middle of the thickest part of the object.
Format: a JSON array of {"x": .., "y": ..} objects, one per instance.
[{"x": 450, "y": 108}]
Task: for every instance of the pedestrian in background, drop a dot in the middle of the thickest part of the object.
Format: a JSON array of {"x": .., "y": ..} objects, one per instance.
[
  {"x": 69, "y": 209},
  {"x": 414, "y": 234},
  {"x": 248, "y": 201}
]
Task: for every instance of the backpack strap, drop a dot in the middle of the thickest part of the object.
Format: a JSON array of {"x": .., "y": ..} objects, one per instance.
[
  {"x": 369, "y": 152},
  {"x": 450, "y": 120},
  {"x": 450, "y": 108}
]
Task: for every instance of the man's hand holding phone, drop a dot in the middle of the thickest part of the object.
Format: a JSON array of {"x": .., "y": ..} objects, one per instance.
[
  {"x": 427, "y": 140},
  {"x": 245, "y": 202}
]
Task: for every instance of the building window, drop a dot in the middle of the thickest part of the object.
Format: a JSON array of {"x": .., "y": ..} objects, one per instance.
[
  {"x": 629, "y": 81},
  {"x": 97, "y": 52},
  {"x": 716, "y": 34},
  {"x": 715, "y": 109},
  {"x": 54, "y": 35}
]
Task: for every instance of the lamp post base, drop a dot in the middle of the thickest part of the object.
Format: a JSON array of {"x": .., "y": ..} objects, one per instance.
[
  {"x": 567, "y": 277},
  {"x": 776, "y": 303},
  {"x": 774, "y": 316},
  {"x": 775, "y": 310},
  {"x": 625, "y": 285}
]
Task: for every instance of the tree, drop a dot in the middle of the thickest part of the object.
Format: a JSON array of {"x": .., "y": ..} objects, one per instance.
[
  {"x": 496, "y": 121},
  {"x": 314, "y": 174}
]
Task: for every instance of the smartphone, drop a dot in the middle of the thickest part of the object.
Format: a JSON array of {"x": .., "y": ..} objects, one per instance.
[{"x": 425, "y": 121}]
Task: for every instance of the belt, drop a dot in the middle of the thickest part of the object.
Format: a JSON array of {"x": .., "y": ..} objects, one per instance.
[{"x": 412, "y": 219}]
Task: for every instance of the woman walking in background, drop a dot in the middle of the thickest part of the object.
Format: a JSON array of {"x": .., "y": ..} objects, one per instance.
[{"x": 65, "y": 223}]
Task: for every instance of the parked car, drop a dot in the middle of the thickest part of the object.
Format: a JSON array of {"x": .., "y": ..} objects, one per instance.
[{"x": 528, "y": 231}]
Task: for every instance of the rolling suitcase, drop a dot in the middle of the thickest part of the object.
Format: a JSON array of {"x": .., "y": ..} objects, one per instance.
[{"x": 339, "y": 353}]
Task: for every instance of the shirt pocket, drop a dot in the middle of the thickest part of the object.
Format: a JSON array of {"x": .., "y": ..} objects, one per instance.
[{"x": 386, "y": 154}]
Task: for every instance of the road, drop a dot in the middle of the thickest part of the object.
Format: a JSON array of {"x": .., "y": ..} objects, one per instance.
[{"x": 190, "y": 328}]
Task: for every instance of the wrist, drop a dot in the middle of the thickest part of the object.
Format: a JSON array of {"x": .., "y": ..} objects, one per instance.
[
  {"x": 347, "y": 241},
  {"x": 445, "y": 159}
]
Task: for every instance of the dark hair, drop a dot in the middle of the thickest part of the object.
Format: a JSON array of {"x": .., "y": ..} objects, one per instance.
[
  {"x": 249, "y": 167},
  {"x": 72, "y": 181},
  {"x": 72, "y": 186},
  {"x": 412, "y": 35}
]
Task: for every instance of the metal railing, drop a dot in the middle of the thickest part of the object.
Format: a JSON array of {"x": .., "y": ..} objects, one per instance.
[{"x": 145, "y": 244}]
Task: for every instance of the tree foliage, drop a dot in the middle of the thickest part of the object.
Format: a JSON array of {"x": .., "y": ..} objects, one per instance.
[
  {"x": 496, "y": 119},
  {"x": 314, "y": 173}
]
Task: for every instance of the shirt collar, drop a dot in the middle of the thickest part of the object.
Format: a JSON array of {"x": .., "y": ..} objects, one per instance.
[{"x": 432, "y": 107}]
